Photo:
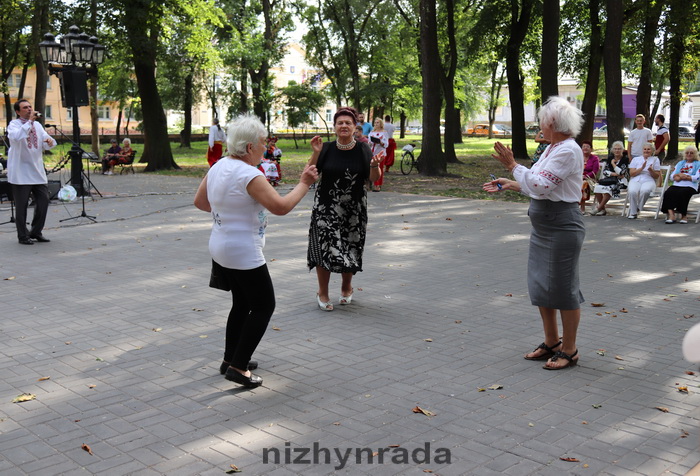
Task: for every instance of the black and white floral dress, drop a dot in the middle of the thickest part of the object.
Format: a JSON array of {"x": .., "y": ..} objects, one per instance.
[{"x": 339, "y": 217}]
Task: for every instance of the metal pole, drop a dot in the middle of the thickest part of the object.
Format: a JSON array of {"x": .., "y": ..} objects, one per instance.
[{"x": 76, "y": 157}]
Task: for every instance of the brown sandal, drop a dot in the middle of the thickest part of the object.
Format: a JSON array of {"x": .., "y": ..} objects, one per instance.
[
  {"x": 571, "y": 361},
  {"x": 547, "y": 355}
]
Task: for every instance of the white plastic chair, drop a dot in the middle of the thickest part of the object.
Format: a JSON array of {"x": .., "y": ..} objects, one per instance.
[{"x": 656, "y": 194}]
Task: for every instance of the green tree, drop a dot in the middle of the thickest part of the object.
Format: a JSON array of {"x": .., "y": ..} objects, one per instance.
[{"x": 300, "y": 101}]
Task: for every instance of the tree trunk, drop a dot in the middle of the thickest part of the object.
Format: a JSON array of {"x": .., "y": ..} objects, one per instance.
[
  {"x": 403, "y": 119},
  {"x": 679, "y": 27},
  {"x": 119, "y": 124},
  {"x": 651, "y": 27},
  {"x": 94, "y": 119},
  {"x": 142, "y": 28},
  {"x": 186, "y": 134},
  {"x": 595, "y": 58},
  {"x": 40, "y": 25},
  {"x": 549, "y": 66},
  {"x": 613, "y": 71},
  {"x": 243, "y": 93},
  {"x": 520, "y": 22},
  {"x": 448, "y": 86},
  {"x": 431, "y": 160}
]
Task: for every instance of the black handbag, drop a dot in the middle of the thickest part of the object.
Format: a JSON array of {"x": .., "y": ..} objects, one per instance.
[{"x": 605, "y": 181}]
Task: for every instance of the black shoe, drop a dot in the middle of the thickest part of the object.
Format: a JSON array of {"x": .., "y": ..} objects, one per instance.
[
  {"x": 26, "y": 241},
  {"x": 251, "y": 382},
  {"x": 252, "y": 365},
  {"x": 40, "y": 239}
]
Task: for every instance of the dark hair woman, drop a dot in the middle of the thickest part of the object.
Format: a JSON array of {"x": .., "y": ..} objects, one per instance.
[{"x": 339, "y": 216}]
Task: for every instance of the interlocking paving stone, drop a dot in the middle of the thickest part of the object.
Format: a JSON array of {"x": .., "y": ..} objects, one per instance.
[{"x": 123, "y": 305}]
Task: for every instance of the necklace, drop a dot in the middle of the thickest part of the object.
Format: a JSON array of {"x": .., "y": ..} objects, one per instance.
[{"x": 345, "y": 146}]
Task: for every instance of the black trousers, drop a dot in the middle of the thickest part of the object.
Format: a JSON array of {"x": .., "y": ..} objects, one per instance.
[
  {"x": 677, "y": 198},
  {"x": 41, "y": 206},
  {"x": 253, "y": 305}
]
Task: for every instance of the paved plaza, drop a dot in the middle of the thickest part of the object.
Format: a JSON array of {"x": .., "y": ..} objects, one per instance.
[{"x": 112, "y": 326}]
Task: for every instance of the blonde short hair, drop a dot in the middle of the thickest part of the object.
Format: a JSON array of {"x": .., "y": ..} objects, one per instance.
[
  {"x": 563, "y": 117},
  {"x": 243, "y": 130}
]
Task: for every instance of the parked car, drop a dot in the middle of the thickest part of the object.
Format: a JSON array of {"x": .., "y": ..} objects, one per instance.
[
  {"x": 685, "y": 131},
  {"x": 483, "y": 130},
  {"x": 603, "y": 131}
]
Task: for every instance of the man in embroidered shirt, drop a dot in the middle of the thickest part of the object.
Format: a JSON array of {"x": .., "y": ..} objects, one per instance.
[
  {"x": 25, "y": 170},
  {"x": 661, "y": 139},
  {"x": 638, "y": 137}
]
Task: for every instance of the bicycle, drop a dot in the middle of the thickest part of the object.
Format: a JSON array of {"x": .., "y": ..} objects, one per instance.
[{"x": 408, "y": 161}]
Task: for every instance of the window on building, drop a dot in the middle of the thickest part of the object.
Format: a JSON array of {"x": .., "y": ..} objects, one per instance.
[
  {"x": 314, "y": 117},
  {"x": 70, "y": 113},
  {"x": 48, "y": 82},
  {"x": 13, "y": 80},
  {"x": 292, "y": 69},
  {"x": 47, "y": 113},
  {"x": 103, "y": 112},
  {"x": 329, "y": 115}
]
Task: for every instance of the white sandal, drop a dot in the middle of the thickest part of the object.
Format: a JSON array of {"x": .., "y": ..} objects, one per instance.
[
  {"x": 345, "y": 300},
  {"x": 324, "y": 306}
]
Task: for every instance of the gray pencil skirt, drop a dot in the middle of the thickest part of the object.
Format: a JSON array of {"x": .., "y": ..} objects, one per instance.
[{"x": 555, "y": 246}]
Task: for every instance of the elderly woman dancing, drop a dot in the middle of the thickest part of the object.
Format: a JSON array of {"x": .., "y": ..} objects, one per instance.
[
  {"x": 239, "y": 197},
  {"x": 339, "y": 216},
  {"x": 554, "y": 187}
]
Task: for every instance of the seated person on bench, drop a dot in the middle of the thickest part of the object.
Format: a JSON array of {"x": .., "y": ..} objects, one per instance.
[
  {"x": 123, "y": 157},
  {"x": 111, "y": 154}
]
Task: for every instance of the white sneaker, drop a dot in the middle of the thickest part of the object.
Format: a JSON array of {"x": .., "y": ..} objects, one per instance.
[{"x": 632, "y": 217}]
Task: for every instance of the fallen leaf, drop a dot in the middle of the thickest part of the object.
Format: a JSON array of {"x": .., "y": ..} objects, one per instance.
[
  {"x": 87, "y": 448},
  {"x": 585, "y": 465},
  {"x": 43, "y": 378},
  {"x": 569, "y": 459},
  {"x": 610, "y": 275},
  {"x": 662, "y": 409},
  {"x": 666, "y": 299},
  {"x": 448, "y": 219},
  {"x": 672, "y": 295},
  {"x": 68, "y": 343},
  {"x": 458, "y": 322},
  {"x": 623, "y": 310},
  {"x": 100, "y": 359},
  {"x": 596, "y": 405},
  {"x": 25, "y": 397},
  {"x": 156, "y": 329},
  {"x": 584, "y": 422},
  {"x": 688, "y": 316},
  {"x": 337, "y": 423},
  {"x": 597, "y": 304},
  {"x": 617, "y": 357},
  {"x": 509, "y": 294},
  {"x": 203, "y": 336},
  {"x": 480, "y": 389},
  {"x": 196, "y": 309},
  {"x": 394, "y": 446},
  {"x": 275, "y": 328},
  {"x": 495, "y": 387},
  {"x": 689, "y": 372},
  {"x": 530, "y": 424},
  {"x": 683, "y": 389},
  {"x": 428, "y": 340},
  {"x": 598, "y": 313},
  {"x": 600, "y": 352},
  {"x": 92, "y": 385},
  {"x": 427, "y": 470},
  {"x": 10, "y": 278},
  {"x": 684, "y": 434},
  {"x": 423, "y": 411}
]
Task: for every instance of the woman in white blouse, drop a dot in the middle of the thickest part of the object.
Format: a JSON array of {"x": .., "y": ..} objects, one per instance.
[
  {"x": 378, "y": 142},
  {"x": 554, "y": 187},
  {"x": 644, "y": 171},
  {"x": 239, "y": 199}
]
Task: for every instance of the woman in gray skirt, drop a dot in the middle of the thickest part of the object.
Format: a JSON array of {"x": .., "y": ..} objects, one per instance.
[{"x": 554, "y": 187}]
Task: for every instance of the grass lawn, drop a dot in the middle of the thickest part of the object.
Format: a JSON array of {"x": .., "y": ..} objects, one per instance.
[{"x": 464, "y": 179}]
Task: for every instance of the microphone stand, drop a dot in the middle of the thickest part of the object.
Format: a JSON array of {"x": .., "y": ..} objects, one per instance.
[
  {"x": 84, "y": 153},
  {"x": 77, "y": 149}
]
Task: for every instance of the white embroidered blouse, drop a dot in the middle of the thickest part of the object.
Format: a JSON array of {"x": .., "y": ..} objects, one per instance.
[{"x": 557, "y": 175}]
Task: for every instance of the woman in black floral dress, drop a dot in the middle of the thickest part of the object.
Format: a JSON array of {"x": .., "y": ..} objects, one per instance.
[{"x": 339, "y": 216}]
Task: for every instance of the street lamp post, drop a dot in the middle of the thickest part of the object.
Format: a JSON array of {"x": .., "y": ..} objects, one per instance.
[{"x": 73, "y": 61}]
